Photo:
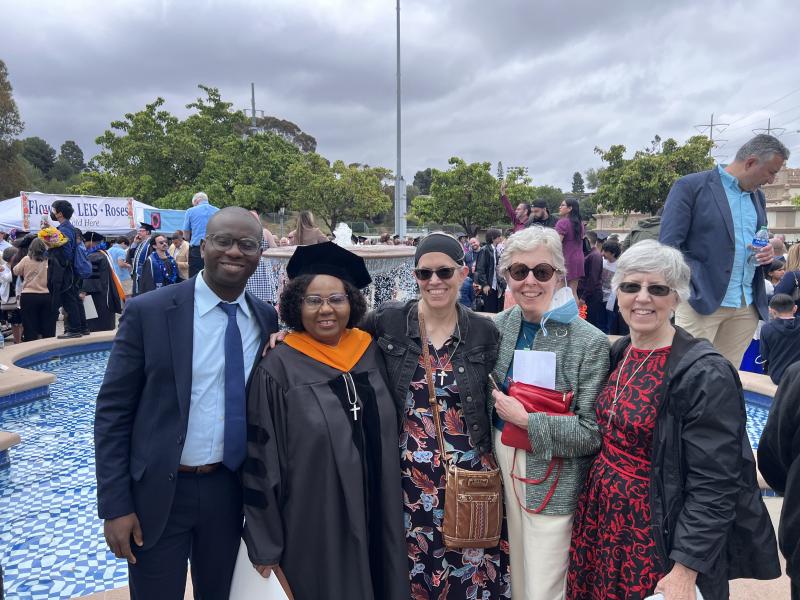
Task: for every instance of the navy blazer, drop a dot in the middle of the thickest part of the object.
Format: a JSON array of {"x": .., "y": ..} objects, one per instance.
[
  {"x": 143, "y": 405},
  {"x": 697, "y": 220}
]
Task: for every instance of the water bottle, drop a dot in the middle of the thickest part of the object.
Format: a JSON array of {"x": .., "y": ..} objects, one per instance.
[{"x": 761, "y": 240}]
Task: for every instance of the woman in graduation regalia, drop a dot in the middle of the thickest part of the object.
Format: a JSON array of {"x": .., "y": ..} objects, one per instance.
[{"x": 322, "y": 481}]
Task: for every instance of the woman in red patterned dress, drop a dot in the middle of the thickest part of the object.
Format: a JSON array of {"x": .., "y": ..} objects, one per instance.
[{"x": 671, "y": 502}]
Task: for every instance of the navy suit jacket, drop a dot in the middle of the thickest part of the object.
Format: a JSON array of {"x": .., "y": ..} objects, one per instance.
[
  {"x": 143, "y": 406},
  {"x": 697, "y": 220}
]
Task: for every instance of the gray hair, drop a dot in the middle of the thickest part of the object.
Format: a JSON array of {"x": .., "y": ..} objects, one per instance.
[
  {"x": 650, "y": 256},
  {"x": 529, "y": 239},
  {"x": 199, "y": 198},
  {"x": 763, "y": 147}
]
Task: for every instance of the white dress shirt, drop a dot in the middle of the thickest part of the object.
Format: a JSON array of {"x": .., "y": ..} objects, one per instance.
[{"x": 206, "y": 431}]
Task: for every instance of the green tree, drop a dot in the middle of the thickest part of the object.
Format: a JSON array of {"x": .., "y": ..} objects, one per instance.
[
  {"x": 72, "y": 154},
  {"x": 577, "y": 183},
  {"x": 62, "y": 170},
  {"x": 288, "y": 131},
  {"x": 12, "y": 176},
  {"x": 422, "y": 181},
  {"x": 500, "y": 172},
  {"x": 641, "y": 183},
  {"x": 337, "y": 192},
  {"x": 162, "y": 160},
  {"x": 592, "y": 178},
  {"x": 466, "y": 194},
  {"x": 39, "y": 153}
]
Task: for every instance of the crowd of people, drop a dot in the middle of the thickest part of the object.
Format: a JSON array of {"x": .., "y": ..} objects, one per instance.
[{"x": 421, "y": 450}]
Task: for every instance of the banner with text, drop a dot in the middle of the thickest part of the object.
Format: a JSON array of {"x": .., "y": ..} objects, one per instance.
[{"x": 92, "y": 213}]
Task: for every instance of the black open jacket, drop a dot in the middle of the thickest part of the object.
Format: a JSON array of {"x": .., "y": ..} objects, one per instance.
[
  {"x": 706, "y": 507},
  {"x": 395, "y": 327},
  {"x": 779, "y": 463}
]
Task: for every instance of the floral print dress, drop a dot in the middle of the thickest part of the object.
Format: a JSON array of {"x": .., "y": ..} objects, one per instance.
[{"x": 437, "y": 572}]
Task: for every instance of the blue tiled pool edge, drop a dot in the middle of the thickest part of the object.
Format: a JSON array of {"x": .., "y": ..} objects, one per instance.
[
  {"x": 24, "y": 396},
  {"x": 40, "y": 357}
]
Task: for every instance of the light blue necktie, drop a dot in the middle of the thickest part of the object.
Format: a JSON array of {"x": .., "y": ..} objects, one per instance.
[{"x": 235, "y": 446}]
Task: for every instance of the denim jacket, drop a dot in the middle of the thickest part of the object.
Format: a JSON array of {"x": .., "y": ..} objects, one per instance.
[{"x": 395, "y": 327}]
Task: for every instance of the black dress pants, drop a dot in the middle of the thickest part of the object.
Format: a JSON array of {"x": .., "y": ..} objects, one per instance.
[
  {"x": 492, "y": 303},
  {"x": 596, "y": 310},
  {"x": 38, "y": 316},
  {"x": 75, "y": 321},
  {"x": 196, "y": 262},
  {"x": 204, "y": 528}
]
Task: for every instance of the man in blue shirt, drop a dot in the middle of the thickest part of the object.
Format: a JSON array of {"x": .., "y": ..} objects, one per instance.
[
  {"x": 712, "y": 217},
  {"x": 170, "y": 420},
  {"x": 194, "y": 229},
  {"x": 118, "y": 253}
]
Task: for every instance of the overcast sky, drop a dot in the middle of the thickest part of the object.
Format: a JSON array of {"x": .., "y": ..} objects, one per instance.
[{"x": 538, "y": 84}]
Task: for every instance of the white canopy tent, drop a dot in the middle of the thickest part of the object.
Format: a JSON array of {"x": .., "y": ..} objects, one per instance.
[{"x": 104, "y": 215}]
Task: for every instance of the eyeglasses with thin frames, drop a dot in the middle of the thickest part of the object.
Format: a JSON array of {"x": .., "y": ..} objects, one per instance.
[
  {"x": 315, "y": 302},
  {"x": 223, "y": 242}
]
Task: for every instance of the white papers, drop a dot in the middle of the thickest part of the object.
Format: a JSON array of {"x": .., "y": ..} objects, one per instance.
[
  {"x": 535, "y": 368},
  {"x": 247, "y": 584},
  {"x": 89, "y": 307}
]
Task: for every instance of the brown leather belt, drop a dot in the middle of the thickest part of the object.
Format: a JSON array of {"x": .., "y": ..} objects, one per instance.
[{"x": 200, "y": 469}]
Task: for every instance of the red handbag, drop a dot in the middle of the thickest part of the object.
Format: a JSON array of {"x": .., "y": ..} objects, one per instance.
[{"x": 534, "y": 399}]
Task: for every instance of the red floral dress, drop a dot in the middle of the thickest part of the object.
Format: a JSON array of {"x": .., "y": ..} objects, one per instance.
[{"x": 613, "y": 555}]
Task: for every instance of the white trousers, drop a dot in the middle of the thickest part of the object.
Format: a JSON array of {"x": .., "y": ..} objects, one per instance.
[{"x": 538, "y": 544}]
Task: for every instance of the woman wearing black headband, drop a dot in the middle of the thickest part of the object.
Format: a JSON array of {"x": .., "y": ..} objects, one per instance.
[{"x": 462, "y": 348}]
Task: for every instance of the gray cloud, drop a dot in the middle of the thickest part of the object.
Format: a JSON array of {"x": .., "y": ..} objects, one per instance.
[{"x": 534, "y": 84}]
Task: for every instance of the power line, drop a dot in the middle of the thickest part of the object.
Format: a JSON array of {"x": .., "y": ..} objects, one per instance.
[
  {"x": 703, "y": 127},
  {"x": 770, "y": 130},
  {"x": 766, "y": 106}
]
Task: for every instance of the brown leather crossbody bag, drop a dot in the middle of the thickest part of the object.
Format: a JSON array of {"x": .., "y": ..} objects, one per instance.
[{"x": 473, "y": 502}]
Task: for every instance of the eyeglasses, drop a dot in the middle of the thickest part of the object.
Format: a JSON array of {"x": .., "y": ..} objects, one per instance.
[
  {"x": 224, "y": 242},
  {"x": 541, "y": 272},
  {"x": 657, "y": 289},
  {"x": 442, "y": 273},
  {"x": 334, "y": 301}
]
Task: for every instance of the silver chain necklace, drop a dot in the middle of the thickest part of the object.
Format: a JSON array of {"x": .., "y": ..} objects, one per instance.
[{"x": 618, "y": 392}]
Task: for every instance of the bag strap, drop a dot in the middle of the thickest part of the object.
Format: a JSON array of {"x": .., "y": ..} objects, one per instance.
[
  {"x": 426, "y": 355},
  {"x": 554, "y": 462}
]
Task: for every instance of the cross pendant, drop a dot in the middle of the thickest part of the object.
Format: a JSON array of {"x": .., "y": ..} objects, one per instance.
[
  {"x": 440, "y": 375},
  {"x": 354, "y": 409}
]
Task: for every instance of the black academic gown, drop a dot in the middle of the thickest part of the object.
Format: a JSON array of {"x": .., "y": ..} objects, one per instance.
[
  {"x": 779, "y": 463},
  {"x": 322, "y": 491},
  {"x": 101, "y": 288}
]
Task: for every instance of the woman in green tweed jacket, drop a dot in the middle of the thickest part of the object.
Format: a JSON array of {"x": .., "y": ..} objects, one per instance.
[{"x": 542, "y": 484}]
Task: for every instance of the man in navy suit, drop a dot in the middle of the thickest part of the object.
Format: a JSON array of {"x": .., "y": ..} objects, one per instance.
[
  {"x": 712, "y": 217},
  {"x": 170, "y": 429}
]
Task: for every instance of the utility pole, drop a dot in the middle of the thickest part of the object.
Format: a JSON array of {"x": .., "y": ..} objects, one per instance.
[
  {"x": 253, "y": 112},
  {"x": 770, "y": 130},
  {"x": 399, "y": 182},
  {"x": 710, "y": 127}
]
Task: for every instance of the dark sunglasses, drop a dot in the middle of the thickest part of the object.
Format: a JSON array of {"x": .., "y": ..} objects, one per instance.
[
  {"x": 441, "y": 273},
  {"x": 656, "y": 289},
  {"x": 541, "y": 272}
]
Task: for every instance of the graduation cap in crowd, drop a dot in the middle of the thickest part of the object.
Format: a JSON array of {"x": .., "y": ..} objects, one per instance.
[
  {"x": 329, "y": 259},
  {"x": 93, "y": 236},
  {"x": 147, "y": 226}
]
